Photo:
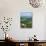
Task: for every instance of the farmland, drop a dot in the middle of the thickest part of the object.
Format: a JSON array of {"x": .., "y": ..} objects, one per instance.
[{"x": 26, "y": 22}]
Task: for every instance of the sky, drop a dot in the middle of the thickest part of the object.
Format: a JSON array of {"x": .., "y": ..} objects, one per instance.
[{"x": 26, "y": 14}]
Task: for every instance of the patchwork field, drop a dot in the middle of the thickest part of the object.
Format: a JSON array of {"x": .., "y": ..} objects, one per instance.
[{"x": 26, "y": 21}]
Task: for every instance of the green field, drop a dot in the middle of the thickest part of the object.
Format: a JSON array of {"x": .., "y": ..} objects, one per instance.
[{"x": 26, "y": 22}]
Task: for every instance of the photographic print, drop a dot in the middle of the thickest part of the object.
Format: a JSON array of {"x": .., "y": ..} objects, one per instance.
[{"x": 26, "y": 19}]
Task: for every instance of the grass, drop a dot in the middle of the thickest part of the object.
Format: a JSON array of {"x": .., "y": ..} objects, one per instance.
[{"x": 25, "y": 22}]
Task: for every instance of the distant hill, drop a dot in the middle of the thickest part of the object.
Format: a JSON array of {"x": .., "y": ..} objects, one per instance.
[{"x": 23, "y": 18}]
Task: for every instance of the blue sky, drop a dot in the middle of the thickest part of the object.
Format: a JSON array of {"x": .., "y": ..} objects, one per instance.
[{"x": 26, "y": 14}]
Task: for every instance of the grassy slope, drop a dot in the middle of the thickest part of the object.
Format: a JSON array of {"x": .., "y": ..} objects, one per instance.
[{"x": 27, "y": 21}]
